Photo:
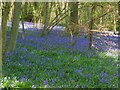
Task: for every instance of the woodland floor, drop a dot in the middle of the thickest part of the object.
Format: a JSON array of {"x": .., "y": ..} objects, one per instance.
[{"x": 51, "y": 61}]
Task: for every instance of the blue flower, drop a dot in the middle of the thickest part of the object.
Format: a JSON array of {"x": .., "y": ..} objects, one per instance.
[
  {"x": 46, "y": 82},
  {"x": 23, "y": 61},
  {"x": 24, "y": 49},
  {"x": 102, "y": 80},
  {"x": 78, "y": 71},
  {"x": 53, "y": 81},
  {"x": 88, "y": 75},
  {"x": 103, "y": 74}
]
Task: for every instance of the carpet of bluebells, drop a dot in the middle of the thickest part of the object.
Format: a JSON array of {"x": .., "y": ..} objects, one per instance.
[{"x": 51, "y": 61}]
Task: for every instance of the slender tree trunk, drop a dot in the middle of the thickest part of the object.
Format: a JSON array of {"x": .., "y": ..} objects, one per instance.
[
  {"x": 5, "y": 16},
  {"x": 89, "y": 13},
  {"x": 91, "y": 26},
  {"x": 101, "y": 19},
  {"x": 0, "y": 51},
  {"x": 15, "y": 26},
  {"x": 66, "y": 19},
  {"x": 119, "y": 38},
  {"x": 119, "y": 18},
  {"x": 0, "y": 45},
  {"x": 91, "y": 35},
  {"x": 35, "y": 5},
  {"x": 90, "y": 19},
  {"x": 22, "y": 20},
  {"x": 23, "y": 29},
  {"x": 114, "y": 22}
]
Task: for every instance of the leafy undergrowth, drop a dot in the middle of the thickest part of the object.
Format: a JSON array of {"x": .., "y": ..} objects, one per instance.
[
  {"x": 32, "y": 67},
  {"x": 51, "y": 62}
]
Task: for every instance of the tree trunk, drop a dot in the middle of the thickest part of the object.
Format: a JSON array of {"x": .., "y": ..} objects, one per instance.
[
  {"x": 5, "y": 16},
  {"x": 89, "y": 13},
  {"x": 73, "y": 18},
  {"x": 101, "y": 19},
  {"x": 0, "y": 47},
  {"x": 66, "y": 13},
  {"x": 73, "y": 12},
  {"x": 46, "y": 17},
  {"x": 119, "y": 18},
  {"x": 23, "y": 29},
  {"x": 91, "y": 26},
  {"x": 15, "y": 26},
  {"x": 114, "y": 22},
  {"x": 35, "y": 6},
  {"x": 22, "y": 20}
]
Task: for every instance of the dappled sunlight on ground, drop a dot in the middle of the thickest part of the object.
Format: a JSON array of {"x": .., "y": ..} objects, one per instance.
[{"x": 51, "y": 61}]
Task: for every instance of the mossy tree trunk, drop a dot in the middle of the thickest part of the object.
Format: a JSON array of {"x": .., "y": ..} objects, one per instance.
[
  {"x": 119, "y": 18},
  {"x": 101, "y": 19},
  {"x": 73, "y": 17},
  {"x": 5, "y": 16},
  {"x": 91, "y": 25},
  {"x": 114, "y": 22},
  {"x": 0, "y": 52},
  {"x": 46, "y": 17},
  {"x": 73, "y": 12},
  {"x": 0, "y": 47},
  {"x": 15, "y": 26}
]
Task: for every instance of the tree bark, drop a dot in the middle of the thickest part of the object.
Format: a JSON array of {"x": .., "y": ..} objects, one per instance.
[
  {"x": 114, "y": 22},
  {"x": 22, "y": 21},
  {"x": 119, "y": 18},
  {"x": 91, "y": 26},
  {"x": 5, "y": 16},
  {"x": 0, "y": 51},
  {"x": 15, "y": 26},
  {"x": 101, "y": 19},
  {"x": 73, "y": 12},
  {"x": 73, "y": 18},
  {"x": 0, "y": 47},
  {"x": 46, "y": 17}
]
